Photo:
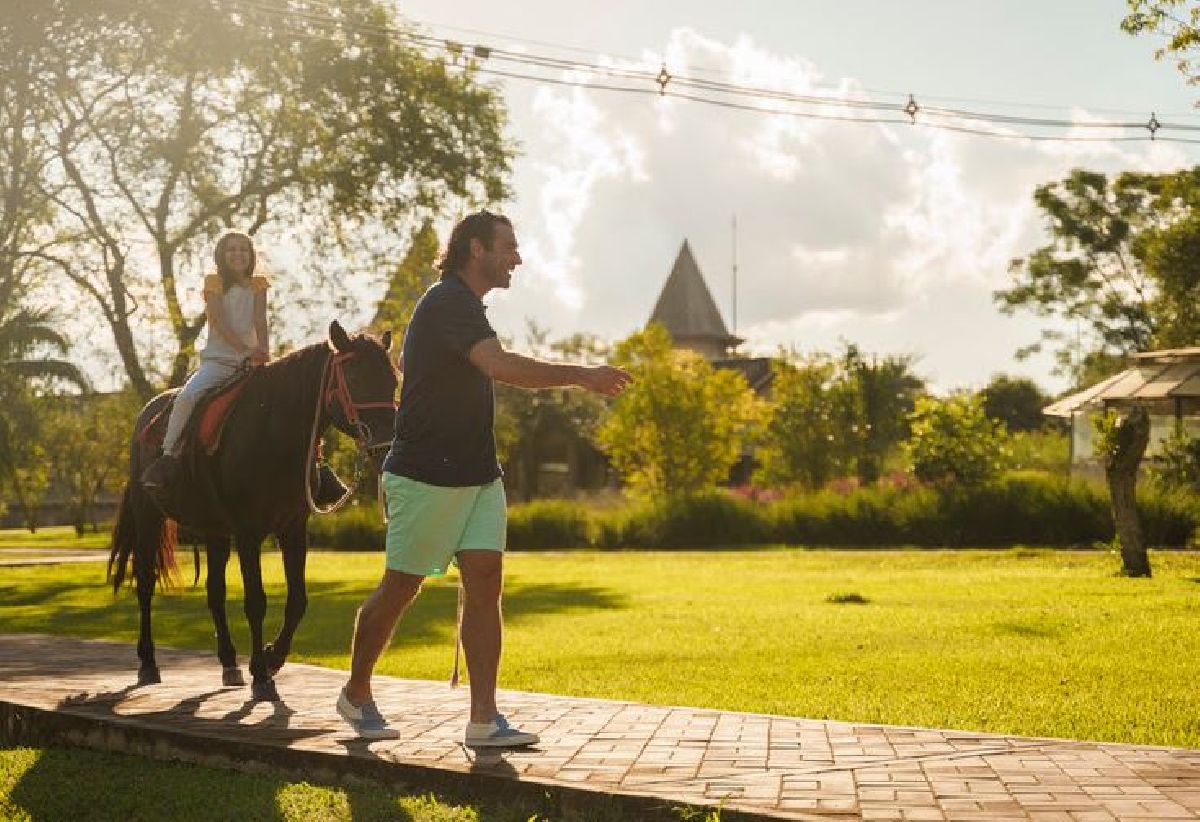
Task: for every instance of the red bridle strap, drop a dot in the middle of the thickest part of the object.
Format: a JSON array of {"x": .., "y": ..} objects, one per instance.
[{"x": 338, "y": 390}]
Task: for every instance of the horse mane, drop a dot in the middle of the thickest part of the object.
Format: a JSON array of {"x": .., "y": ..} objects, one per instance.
[{"x": 293, "y": 377}]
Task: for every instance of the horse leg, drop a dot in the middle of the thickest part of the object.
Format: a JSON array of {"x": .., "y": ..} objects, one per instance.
[
  {"x": 262, "y": 684},
  {"x": 148, "y": 673},
  {"x": 217, "y": 554},
  {"x": 145, "y": 573},
  {"x": 293, "y": 542}
]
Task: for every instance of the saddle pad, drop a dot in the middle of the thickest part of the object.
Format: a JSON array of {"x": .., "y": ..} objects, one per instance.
[{"x": 214, "y": 413}]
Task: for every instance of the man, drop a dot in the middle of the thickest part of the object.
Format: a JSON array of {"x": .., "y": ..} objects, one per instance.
[{"x": 445, "y": 501}]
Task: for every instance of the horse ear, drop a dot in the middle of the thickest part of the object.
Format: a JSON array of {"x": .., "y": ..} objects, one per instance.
[
  {"x": 386, "y": 340},
  {"x": 338, "y": 337}
]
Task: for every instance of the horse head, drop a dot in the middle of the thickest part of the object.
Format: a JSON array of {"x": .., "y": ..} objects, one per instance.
[{"x": 361, "y": 391}]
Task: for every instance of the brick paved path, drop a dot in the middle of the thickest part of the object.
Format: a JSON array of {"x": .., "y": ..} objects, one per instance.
[
  {"x": 79, "y": 691},
  {"x": 16, "y": 557}
]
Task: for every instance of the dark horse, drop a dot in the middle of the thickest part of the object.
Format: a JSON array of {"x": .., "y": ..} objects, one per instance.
[{"x": 258, "y": 482}]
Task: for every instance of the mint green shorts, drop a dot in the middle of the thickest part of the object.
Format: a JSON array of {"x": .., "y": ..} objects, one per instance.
[{"x": 428, "y": 524}]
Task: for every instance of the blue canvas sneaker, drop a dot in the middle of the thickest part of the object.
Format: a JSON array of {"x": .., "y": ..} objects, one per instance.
[
  {"x": 365, "y": 718},
  {"x": 497, "y": 734}
]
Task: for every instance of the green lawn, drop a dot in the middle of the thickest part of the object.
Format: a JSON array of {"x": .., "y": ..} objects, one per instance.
[
  {"x": 1022, "y": 641},
  {"x": 117, "y": 787},
  {"x": 51, "y": 537}
]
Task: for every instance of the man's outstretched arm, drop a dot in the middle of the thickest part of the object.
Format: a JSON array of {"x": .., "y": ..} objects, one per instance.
[{"x": 526, "y": 372}]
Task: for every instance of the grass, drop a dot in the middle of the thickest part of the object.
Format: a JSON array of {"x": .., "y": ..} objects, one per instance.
[
  {"x": 106, "y": 786},
  {"x": 51, "y": 537},
  {"x": 1031, "y": 642}
]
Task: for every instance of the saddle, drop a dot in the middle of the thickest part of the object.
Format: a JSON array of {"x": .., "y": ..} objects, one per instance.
[{"x": 203, "y": 431}]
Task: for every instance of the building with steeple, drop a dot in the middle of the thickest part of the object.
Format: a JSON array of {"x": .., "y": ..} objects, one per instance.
[{"x": 686, "y": 308}]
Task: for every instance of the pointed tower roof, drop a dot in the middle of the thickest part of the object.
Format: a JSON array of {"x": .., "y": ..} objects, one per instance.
[{"x": 686, "y": 307}]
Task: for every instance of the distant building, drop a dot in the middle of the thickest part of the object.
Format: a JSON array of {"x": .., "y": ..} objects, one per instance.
[
  {"x": 1166, "y": 383},
  {"x": 686, "y": 308}
]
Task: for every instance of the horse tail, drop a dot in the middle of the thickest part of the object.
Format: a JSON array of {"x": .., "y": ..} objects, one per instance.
[
  {"x": 125, "y": 543},
  {"x": 141, "y": 531},
  {"x": 124, "y": 539},
  {"x": 166, "y": 569}
]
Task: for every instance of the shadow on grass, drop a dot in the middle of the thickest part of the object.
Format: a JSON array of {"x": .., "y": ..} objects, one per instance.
[
  {"x": 1028, "y": 631},
  {"x": 181, "y": 619},
  {"x": 33, "y": 595},
  {"x": 106, "y": 786}
]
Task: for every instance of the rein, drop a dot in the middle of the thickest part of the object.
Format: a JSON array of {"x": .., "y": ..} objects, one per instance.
[{"x": 334, "y": 388}]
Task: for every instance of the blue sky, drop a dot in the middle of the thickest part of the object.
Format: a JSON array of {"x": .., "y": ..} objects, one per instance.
[{"x": 889, "y": 237}]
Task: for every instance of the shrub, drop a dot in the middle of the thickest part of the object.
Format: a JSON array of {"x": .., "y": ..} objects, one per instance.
[
  {"x": 1021, "y": 508},
  {"x": 954, "y": 443},
  {"x": 357, "y": 527},
  {"x": 549, "y": 524}
]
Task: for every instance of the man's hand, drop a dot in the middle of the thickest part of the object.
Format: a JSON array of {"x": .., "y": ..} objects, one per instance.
[
  {"x": 605, "y": 379},
  {"x": 258, "y": 357}
]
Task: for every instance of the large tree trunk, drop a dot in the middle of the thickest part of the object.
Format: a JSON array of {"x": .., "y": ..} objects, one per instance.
[{"x": 1120, "y": 469}]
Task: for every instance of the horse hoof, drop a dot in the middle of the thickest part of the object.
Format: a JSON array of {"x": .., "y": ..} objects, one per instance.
[
  {"x": 264, "y": 691},
  {"x": 232, "y": 677},
  {"x": 148, "y": 676}
]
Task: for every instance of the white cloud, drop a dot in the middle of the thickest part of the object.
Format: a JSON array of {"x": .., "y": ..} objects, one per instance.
[{"x": 845, "y": 230}]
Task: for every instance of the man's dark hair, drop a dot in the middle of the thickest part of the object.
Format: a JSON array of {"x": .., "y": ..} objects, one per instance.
[{"x": 478, "y": 226}]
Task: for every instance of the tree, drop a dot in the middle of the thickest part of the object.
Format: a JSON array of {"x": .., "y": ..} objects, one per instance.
[
  {"x": 167, "y": 123},
  {"x": 1122, "y": 442},
  {"x": 833, "y": 416},
  {"x": 1122, "y": 268},
  {"x": 408, "y": 281},
  {"x": 953, "y": 443},
  {"x": 1178, "y": 463},
  {"x": 1015, "y": 401},
  {"x": 1172, "y": 20},
  {"x": 27, "y": 344},
  {"x": 887, "y": 390},
  {"x": 682, "y": 425},
  {"x": 87, "y": 439},
  {"x": 1088, "y": 275},
  {"x": 807, "y": 440},
  {"x": 24, "y": 471},
  {"x": 560, "y": 423}
]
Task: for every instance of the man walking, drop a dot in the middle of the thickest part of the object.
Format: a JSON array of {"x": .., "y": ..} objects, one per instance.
[{"x": 445, "y": 501}]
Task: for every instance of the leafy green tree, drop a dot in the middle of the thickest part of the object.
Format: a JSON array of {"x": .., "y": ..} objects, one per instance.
[
  {"x": 86, "y": 438},
  {"x": 1088, "y": 275},
  {"x": 1176, "y": 22},
  {"x": 1122, "y": 271},
  {"x": 407, "y": 282},
  {"x": 166, "y": 123},
  {"x": 1178, "y": 463},
  {"x": 24, "y": 471},
  {"x": 527, "y": 421},
  {"x": 682, "y": 425},
  {"x": 28, "y": 345},
  {"x": 807, "y": 440},
  {"x": 1015, "y": 401},
  {"x": 954, "y": 443},
  {"x": 887, "y": 390}
]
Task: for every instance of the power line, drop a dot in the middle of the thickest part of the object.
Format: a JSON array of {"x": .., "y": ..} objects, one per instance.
[
  {"x": 717, "y": 72},
  {"x": 479, "y": 59}
]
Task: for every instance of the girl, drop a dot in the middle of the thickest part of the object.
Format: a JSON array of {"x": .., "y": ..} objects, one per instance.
[{"x": 236, "y": 304}]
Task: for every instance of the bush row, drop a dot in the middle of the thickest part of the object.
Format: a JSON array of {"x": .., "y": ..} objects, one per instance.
[{"x": 1019, "y": 509}]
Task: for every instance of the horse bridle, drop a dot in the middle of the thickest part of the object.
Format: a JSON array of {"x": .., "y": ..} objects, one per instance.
[
  {"x": 338, "y": 389},
  {"x": 335, "y": 389}
]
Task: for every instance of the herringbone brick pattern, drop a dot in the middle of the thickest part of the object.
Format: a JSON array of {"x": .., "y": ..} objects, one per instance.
[{"x": 775, "y": 766}]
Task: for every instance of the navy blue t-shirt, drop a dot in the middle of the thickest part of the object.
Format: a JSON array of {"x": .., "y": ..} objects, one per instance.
[{"x": 444, "y": 422}]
